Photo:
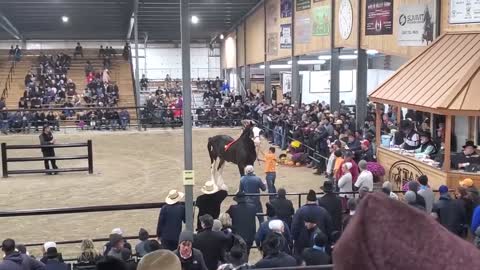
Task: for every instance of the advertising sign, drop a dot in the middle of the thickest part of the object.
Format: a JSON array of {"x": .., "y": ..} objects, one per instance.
[
  {"x": 321, "y": 21},
  {"x": 286, "y": 8},
  {"x": 303, "y": 4},
  {"x": 416, "y": 24},
  {"x": 285, "y": 36},
  {"x": 379, "y": 20},
  {"x": 272, "y": 44},
  {"x": 303, "y": 29},
  {"x": 464, "y": 11}
]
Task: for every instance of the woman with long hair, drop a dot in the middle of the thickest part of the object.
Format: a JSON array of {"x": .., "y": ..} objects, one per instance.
[{"x": 89, "y": 254}]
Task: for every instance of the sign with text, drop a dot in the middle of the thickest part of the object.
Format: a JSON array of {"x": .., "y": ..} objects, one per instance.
[
  {"x": 303, "y": 29},
  {"x": 464, "y": 11},
  {"x": 286, "y": 8},
  {"x": 416, "y": 24},
  {"x": 379, "y": 20},
  {"x": 403, "y": 172},
  {"x": 303, "y": 4},
  {"x": 188, "y": 178},
  {"x": 321, "y": 21},
  {"x": 285, "y": 36}
]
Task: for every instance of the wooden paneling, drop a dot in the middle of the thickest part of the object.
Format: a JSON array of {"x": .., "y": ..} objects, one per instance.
[
  {"x": 317, "y": 43},
  {"x": 454, "y": 177},
  {"x": 445, "y": 26},
  {"x": 229, "y": 51},
  {"x": 274, "y": 22},
  {"x": 255, "y": 29},
  {"x": 399, "y": 167},
  {"x": 388, "y": 44},
  {"x": 257, "y": 86},
  {"x": 241, "y": 45},
  {"x": 351, "y": 41}
]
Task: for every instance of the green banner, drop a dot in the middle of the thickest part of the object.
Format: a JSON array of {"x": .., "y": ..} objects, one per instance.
[{"x": 321, "y": 21}]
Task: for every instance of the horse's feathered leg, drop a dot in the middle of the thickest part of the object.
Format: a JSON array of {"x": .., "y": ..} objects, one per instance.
[
  {"x": 220, "y": 183},
  {"x": 213, "y": 171}
]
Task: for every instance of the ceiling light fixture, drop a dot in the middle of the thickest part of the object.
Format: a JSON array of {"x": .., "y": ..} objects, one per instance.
[
  {"x": 348, "y": 57},
  {"x": 324, "y": 57},
  {"x": 195, "y": 19},
  {"x": 277, "y": 66},
  {"x": 65, "y": 19},
  {"x": 221, "y": 36},
  {"x": 372, "y": 52}
]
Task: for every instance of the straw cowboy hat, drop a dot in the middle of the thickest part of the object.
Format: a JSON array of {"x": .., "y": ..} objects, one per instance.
[
  {"x": 209, "y": 188},
  {"x": 160, "y": 259},
  {"x": 174, "y": 196}
]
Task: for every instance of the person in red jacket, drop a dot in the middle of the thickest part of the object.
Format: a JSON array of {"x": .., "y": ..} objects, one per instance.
[{"x": 348, "y": 157}]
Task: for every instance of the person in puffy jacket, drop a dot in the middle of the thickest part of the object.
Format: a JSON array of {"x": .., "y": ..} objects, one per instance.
[{"x": 14, "y": 260}]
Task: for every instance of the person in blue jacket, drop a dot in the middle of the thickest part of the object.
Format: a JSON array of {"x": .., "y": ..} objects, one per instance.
[{"x": 170, "y": 220}]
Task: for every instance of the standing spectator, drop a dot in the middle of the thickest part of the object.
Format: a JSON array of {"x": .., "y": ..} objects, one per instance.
[
  {"x": 170, "y": 220},
  {"x": 351, "y": 206},
  {"x": 126, "y": 51},
  {"x": 411, "y": 199},
  {"x": 270, "y": 171},
  {"x": 333, "y": 204},
  {"x": 348, "y": 158},
  {"x": 140, "y": 248},
  {"x": 450, "y": 213},
  {"x": 283, "y": 207},
  {"x": 310, "y": 210},
  {"x": 387, "y": 189},
  {"x": 210, "y": 201},
  {"x": 414, "y": 186},
  {"x": 101, "y": 51},
  {"x": 273, "y": 224},
  {"x": 345, "y": 182},
  {"x": 17, "y": 53},
  {"x": 78, "y": 51},
  {"x": 46, "y": 138},
  {"x": 14, "y": 260},
  {"x": 426, "y": 192},
  {"x": 365, "y": 178},
  {"x": 53, "y": 263},
  {"x": 124, "y": 118},
  {"x": 11, "y": 52},
  {"x": 317, "y": 255},
  {"x": 243, "y": 218},
  {"x": 89, "y": 254},
  {"x": 366, "y": 152},
  {"x": 144, "y": 83},
  {"x": 190, "y": 258},
  {"x": 211, "y": 244},
  {"x": 275, "y": 257},
  {"x": 250, "y": 183},
  {"x": 106, "y": 76}
]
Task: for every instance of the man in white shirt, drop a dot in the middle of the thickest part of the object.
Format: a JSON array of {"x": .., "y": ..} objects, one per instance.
[{"x": 365, "y": 178}]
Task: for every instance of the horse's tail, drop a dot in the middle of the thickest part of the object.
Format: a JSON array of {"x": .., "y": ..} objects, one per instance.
[{"x": 211, "y": 150}]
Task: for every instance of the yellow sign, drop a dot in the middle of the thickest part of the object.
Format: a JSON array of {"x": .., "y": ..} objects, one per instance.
[{"x": 188, "y": 178}]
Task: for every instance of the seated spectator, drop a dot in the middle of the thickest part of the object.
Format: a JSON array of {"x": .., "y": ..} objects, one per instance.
[
  {"x": 211, "y": 244},
  {"x": 53, "y": 262},
  {"x": 46, "y": 246},
  {"x": 140, "y": 247},
  {"x": 152, "y": 245},
  {"x": 89, "y": 68},
  {"x": 124, "y": 119},
  {"x": 117, "y": 249},
  {"x": 78, "y": 50},
  {"x": 283, "y": 207},
  {"x": 13, "y": 260},
  {"x": 190, "y": 258},
  {"x": 108, "y": 245},
  {"x": 89, "y": 254},
  {"x": 144, "y": 82},
  {"x": 162, "y": 259},
  {"x": 317, "y": 255},
  {"x": 275, "y": 257},
  {"x": 113, "y": 52},
  {"x": 109, "y": 263}
]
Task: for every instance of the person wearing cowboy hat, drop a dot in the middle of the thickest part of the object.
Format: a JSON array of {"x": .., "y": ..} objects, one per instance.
[
  {"x": 170, "y": 220},
  {"x": 427, "y": 147},
  {"x": 467, "y": 157},
  {"x": 332, "y": 203},
  {"x": 210, "y": 201}
]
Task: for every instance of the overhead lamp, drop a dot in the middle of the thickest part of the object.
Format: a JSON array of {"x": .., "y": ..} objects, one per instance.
[
  {"x": 65, "y": 19},
  {"x": 276, "y": 66},
  {"x": 195, "y": 19},
  {"x": 348, "y": 57},
  {"x": 372, "y": 52},
  {"x": 325, "y": 57},
  {"x": 221, "y": 36},
  {"x": 309, "y": 62}
]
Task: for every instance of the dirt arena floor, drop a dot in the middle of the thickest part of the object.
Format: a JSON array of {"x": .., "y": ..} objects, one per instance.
[{"x": 129, "y": 167}]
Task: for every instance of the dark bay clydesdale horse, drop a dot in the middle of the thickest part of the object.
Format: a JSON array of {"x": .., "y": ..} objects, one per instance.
[{"x": 242, "y": 152}]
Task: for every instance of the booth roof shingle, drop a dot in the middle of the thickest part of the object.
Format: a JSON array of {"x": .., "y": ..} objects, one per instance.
[{"x": 444, "y": 77}]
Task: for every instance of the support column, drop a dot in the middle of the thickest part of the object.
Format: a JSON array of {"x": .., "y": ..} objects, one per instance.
[
  {"x": 268, "y": 83},
  {"x": 137, "y": 64},
  {"x": 296, "y": 91},
  {"x": 448, "y": 144},
  {"x": 187, "y": 108},
  {"x": 335, "y": 80},
  {"x": 248, "y": 82},
  {"x": 361, "y": 99}
]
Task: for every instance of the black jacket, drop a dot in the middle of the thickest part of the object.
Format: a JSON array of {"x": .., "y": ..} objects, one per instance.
[
  {"x": 195, "y": 262},
  {"x": 451, "y": 214},
  {"x": 333, "y": 204},
  {"x": 46, "y": 139},
  {"x": 243, "y": 220},
  {"x": 276, "y": 260},
  {"x": 209, "y": 204},
  {"x": 284, "y": 210},
  {"x": 212, "y": 245},
  {"x": 313, "y": 256},
  {"x": 170, "y": 221}
]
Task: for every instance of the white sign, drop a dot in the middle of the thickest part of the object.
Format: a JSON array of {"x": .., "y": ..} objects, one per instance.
[
  {"x": 464, "y": 11},
  {"x": 286, "y": 82},
  {"x": 416, "y": 24},
  {"x": 188, "y": 178}
]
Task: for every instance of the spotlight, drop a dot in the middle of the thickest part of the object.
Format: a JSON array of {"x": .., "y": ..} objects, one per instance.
[
  {"x": 221, "y": 36},
  {"x": 65, "y": 19},
  {"x": 194, "y": 19}
]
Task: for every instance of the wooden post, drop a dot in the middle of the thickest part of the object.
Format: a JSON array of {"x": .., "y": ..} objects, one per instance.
[
  {"x": 4, "y": 161},
  {"x": 448, "y": 143},
  {"x": 378, "y": 124},
  {"x": 90, "y": 157},
  {"x": 399, "y": 116}
]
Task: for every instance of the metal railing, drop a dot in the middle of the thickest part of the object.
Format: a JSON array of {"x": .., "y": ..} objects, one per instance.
[{"x": 8, "y": 80}]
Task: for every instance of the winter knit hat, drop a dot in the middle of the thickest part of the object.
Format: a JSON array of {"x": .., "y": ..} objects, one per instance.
[
  {"x": 311, "y": 197},
  {"x": 185, "y": 236}
]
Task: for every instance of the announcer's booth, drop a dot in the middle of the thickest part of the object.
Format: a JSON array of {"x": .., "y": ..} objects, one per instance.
[{"x": 434, "y": 99}]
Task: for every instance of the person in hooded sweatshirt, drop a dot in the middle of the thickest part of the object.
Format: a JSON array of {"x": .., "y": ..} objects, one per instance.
[
  {"x": 368, "y": 242},
  {"x": 450, "y": 212},
  {"x": 14, "y": 260}
]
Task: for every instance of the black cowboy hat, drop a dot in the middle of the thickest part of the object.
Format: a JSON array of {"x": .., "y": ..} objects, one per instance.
[
  {"x": 470, "y": 143},
  {"x": 327, "y": 186},
  {"x": 426, "y": 134}
]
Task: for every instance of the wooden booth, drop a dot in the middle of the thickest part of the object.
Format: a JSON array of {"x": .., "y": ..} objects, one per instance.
[{"x": 443, "y": 81}]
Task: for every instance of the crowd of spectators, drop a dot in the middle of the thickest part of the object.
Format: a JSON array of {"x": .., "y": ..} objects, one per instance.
[
  {"x": 309, "y": 235},
  {"x": 15, "y": 54}
]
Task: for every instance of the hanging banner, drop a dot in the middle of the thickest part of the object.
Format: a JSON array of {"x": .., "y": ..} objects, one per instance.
[
  {"x": 464, "y": 11},
  {"x": 303, "y": 4},
  {"x": 285, "y": 36},
  {"x": 272, "y": 44},
  {"x": 303, "y": 29},
  {"x": 379, "y": 20},
  {"x": 286, "y": 82},
  {"x": 272, "y": 15},
  {"x": 286, "y": 8},
  {"x": 321, "y": 21},
  {"x": 416, "y": 24}
]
